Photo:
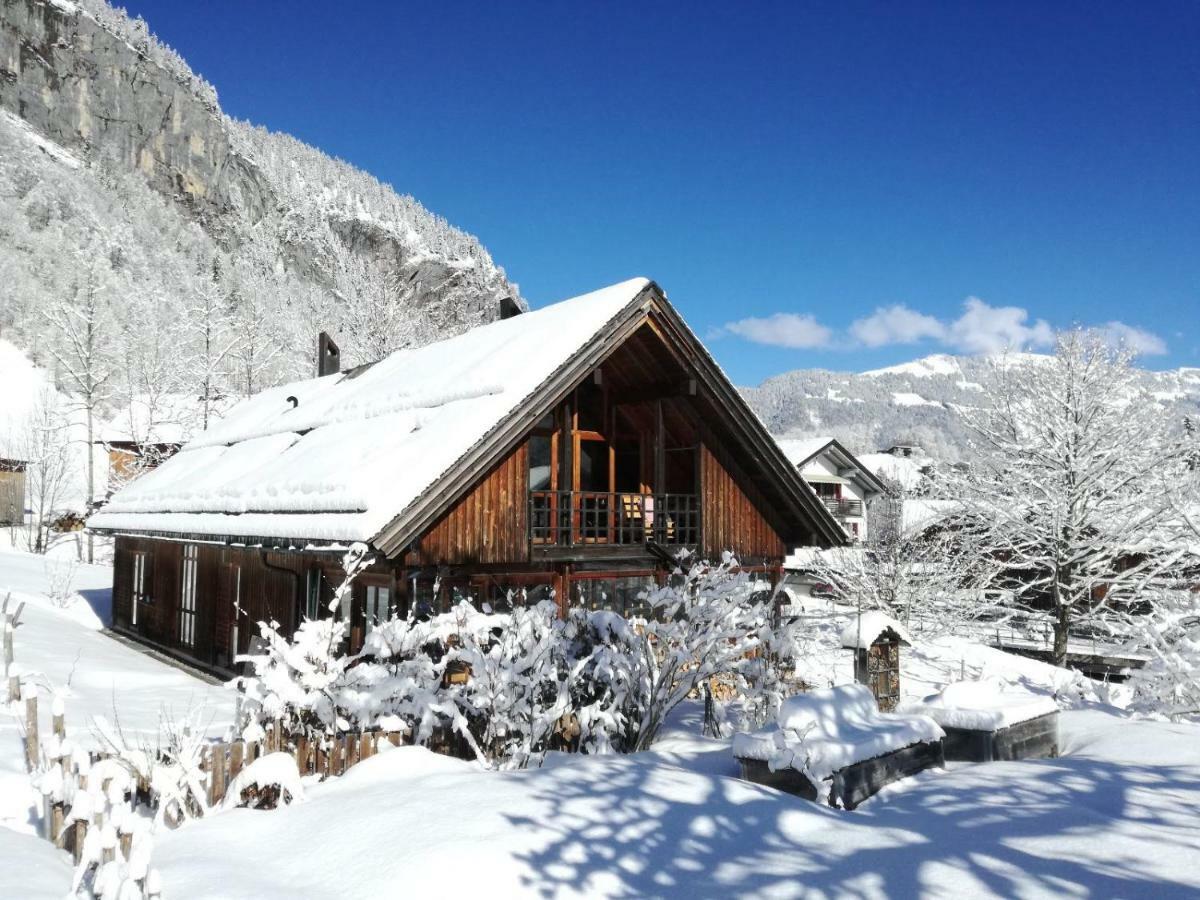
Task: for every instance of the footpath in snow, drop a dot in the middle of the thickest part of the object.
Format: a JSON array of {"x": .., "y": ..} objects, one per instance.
[{"x": 1115, "y": 816}]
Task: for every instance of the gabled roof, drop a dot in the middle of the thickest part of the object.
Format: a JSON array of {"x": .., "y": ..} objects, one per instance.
[
  {"x": 803, "y": 451},
  {"x": 375, "y": 454}
]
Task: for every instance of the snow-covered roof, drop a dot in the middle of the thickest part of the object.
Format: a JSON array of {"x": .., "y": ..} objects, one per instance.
[
  {"x": 356, "y": 449},
  {"x": 862, "y": 630},
  {"x": 903, "y": 470},
  {"x": 801, "y": 450}
]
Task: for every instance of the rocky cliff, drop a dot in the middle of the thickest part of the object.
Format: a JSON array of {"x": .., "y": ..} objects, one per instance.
[{"x": 95, "y": 83}]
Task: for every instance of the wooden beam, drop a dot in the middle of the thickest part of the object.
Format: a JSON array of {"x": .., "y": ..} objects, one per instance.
[{"x": 660, "y": 390}]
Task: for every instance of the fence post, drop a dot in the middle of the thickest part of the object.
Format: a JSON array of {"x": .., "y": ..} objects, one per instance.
[
  {"x": 31, "y": 729},
  {"x": 216, "y": 780}
]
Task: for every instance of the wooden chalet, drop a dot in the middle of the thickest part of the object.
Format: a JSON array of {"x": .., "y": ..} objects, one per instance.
[{"x": 569, "y": 452}]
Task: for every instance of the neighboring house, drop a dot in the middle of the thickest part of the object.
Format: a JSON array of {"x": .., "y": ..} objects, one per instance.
[
  {"x": 148, "y": 431},
  {"x": 12, "y": 491},
  {"x": 570, "y": 452},
  {"x": 844, "y": 485}
]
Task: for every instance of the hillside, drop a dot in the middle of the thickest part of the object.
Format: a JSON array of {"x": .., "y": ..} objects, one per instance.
[
  {"x": 119, "y": 172},
  {"x": 914, "y": 402}
]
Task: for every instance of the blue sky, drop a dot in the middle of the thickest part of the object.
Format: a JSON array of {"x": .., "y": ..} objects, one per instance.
[{"x": 843, "y": 185}]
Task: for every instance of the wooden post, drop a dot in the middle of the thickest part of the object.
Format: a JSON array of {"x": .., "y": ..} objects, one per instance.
[
  {"x": 300, "y": 754},
  {"x": 216, "y": 778},
  {"x": 79, "y": 835},
  {"x": 14, "y": 688},
  {"x": 31, "y": 730},
  {"x": 235, "y": 753},
  {"x": 366, "y": 747}
]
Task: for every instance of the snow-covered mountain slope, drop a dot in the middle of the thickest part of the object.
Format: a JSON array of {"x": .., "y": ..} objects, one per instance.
[
  {"x": 914, "y": 402},
  {"x": 111, "y": 147}
]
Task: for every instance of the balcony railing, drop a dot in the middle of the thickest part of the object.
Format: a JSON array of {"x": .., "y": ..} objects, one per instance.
[
  {"x": 843, "y": 509},
  {"x": 573, "y": 518}
]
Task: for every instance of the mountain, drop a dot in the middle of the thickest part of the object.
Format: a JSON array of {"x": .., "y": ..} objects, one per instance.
[
  {"x": 915, "y": 402},
  {"x": 119, "y": 172}
]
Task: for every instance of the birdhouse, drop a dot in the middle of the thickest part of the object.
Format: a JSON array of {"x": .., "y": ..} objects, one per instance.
[{"x": 876, "y": 640}]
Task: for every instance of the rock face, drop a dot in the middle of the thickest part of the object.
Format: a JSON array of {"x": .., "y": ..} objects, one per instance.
[
  {"x": 87, "y": 89},
  {"x": 92, "y": 81}
]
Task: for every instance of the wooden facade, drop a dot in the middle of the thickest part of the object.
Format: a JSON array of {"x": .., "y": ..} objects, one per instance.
[{"x": 585, "y": 495}]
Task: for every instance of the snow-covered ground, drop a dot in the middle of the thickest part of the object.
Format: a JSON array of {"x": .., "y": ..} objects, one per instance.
[
  {"x": 1118, "y": 815},
  {"x": 65, "y": 653}
]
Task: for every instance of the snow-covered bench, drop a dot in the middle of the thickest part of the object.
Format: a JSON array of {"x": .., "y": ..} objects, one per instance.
[
  {"x": 986, "y": 720},
  {"x": 835, "y": 746}
]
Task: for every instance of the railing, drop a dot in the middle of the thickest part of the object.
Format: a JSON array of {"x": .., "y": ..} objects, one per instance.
[
  {"x": 842, "y": 509},
  {"x": 573, "y": 518}
]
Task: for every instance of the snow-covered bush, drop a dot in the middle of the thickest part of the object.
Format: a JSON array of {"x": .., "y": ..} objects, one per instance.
[
  {"x": 270, "y": 781},
  {"x": 516, "y": 690},
  {"x": 511, "y": 685},
  {"x": 706, "y": 622}
]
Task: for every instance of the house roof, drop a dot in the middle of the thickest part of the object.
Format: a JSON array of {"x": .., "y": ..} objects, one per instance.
[
  {"x": 800, "y": 452},
  {"x": 374, "y": 454}
]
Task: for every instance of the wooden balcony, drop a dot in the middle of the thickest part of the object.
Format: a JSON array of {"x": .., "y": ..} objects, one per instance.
[
  {"x": 588, "y": 518},
  {"x": 843, "y": 509}
]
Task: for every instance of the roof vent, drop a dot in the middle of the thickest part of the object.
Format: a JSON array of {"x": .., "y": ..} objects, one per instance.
[
  {"x": 509, "y": 308},
  {"x": 329, "y": 360}
]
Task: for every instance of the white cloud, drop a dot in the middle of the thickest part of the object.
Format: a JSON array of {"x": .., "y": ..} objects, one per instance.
[
  {"x": 989, "y": 329},
  {"x": 1140, "y": 341},
  {"x": 896, "y": 325},
  {"x": 800, "y": 332},
  {"x": 981, "y": 328}
]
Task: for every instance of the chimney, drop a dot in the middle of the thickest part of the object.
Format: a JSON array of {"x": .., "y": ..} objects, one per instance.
[
  {"x": 509, "y": 308},
  {"x": 329, "y": 361}
]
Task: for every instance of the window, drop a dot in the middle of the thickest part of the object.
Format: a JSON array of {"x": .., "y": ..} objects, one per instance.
[
  {"x": 187, "y": 596},
  {"x": 378, "y": 606},
  {"x": 540, "y": 462},
  {"x": 589, "y": 405},
  {"x": 312, "y": 594},
  {"x": 593, "y": 466},
  {"x": 138, "y": 591},
  {"x": 503, "y": 594},
  {"x": 624, "y": 595}
]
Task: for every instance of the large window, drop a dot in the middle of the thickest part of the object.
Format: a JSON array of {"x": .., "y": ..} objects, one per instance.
[
  {"x": 624, "y": 595},
  {"x": 187, "y": 596}
]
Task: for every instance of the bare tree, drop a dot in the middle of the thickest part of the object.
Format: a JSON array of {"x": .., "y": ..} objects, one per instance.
[
  {"x": 207, "y": 322},
  {"x": 82, "y": 346},
  {"x": 920, "y": 565},
  {"x": 1062, "y": 489},
  {"x": 45, "y": 445}
]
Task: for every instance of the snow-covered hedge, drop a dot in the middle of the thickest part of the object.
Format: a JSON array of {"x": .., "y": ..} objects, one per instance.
[{"x": 513, "y": 685}]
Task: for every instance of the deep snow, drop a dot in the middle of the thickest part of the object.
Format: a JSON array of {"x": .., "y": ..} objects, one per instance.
[{"x": 1115, "y": 816}]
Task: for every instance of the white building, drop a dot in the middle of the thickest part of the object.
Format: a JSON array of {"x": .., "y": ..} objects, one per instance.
[{"x": 841, "y": 481}]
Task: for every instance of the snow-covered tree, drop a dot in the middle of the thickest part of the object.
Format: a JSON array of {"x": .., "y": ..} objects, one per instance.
[
  {"x": 82, "y": 344},
  {"x": 44, "y": 443},
  {"x": 1169, "y": 633},
  {"x": 922, "y": 564},
  {"x": 1062, "y": 490}
]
